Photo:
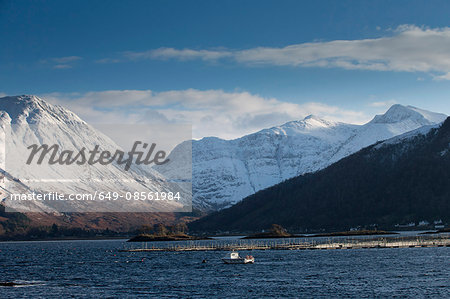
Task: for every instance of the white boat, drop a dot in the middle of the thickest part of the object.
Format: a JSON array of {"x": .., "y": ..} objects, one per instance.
[{"x": 234, "y": 258}]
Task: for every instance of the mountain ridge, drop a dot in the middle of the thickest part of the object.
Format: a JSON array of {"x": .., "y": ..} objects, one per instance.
[
  {"x": 400, "y": 180},
  {"x": 225, "y": 171}
]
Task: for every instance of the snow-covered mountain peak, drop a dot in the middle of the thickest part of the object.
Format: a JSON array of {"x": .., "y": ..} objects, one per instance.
[
  {"x": 433, "y": 117},
  {"x": 28, "y": 120},
  {"x": 225, "y": 171},
  {"x": 315, "y": 121},
  {"x": 399, "y": 113},
  {"x": 308, "y": 125},
  {"x": 32, "y": 109}
]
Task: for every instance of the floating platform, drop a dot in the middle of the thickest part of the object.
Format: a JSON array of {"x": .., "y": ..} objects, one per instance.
[{"x": 293, "y": 244}]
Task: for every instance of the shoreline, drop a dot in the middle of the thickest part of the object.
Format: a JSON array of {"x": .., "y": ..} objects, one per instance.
[
  {"x": 242, "y": 236},
  {"x": 66, "y": 239}
]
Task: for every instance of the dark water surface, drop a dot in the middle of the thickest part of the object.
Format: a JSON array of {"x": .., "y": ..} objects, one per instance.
[{"x": 96, "y": 269}]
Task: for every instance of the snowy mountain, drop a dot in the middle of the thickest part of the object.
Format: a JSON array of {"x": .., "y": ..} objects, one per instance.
[
  {"x": 226, "y": 171},
  {"x": 27, "y": 120},
  {"x": 402, "y": 180},
  {"x": 223, "y": 171}
]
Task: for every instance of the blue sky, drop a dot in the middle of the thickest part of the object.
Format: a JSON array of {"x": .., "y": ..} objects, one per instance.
[{"x": 229, "y": 67}]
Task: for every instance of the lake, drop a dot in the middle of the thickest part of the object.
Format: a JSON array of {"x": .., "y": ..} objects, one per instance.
[{"x": 96, "y": 269}]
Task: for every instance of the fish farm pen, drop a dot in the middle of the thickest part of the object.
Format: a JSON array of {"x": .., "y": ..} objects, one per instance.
[{"x": 295, "y": 244}]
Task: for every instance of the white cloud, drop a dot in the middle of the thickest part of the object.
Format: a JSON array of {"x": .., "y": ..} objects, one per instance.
[
  {"x": 408, "y": 48},
  {"x": 184, "y": 54},
  {"x": 108, "y": 60},
  {"x": 66, "y": 59},
  {"x": 383, "y": 104},
  {"x": 211, "y": 112},
  {"x": 62, "y": 66},
  {"x": 442, "y": 77},
  {"x": 66, "y": 62}
]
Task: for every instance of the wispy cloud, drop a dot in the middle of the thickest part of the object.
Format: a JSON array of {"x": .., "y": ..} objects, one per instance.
[
  {"x": 62, "y": 66},
  {"x": 184, "y": 54},
  {"x": 408, "y": 48},
  {"x": 66, "y": 62},
  {"x": 108, "y": 60},
  {"x": 383, "y": 104},
  {"x": 66, "y": 59},
  {"x": 445, "y": 76},
  {"x": 211, "y": 112}
]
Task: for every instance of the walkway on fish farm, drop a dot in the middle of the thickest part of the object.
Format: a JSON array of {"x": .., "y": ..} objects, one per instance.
[{"x": 293, "y": 244}]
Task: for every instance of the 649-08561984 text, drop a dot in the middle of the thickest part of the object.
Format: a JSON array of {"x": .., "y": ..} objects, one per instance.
[{"x": 140, "y": 196}]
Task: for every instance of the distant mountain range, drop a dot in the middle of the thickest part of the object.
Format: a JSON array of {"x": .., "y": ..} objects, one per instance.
[
  {"x": 401, "y": 180},
  {"x": 226, "y": 171},
  {"x": 223, "y": 171}
]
